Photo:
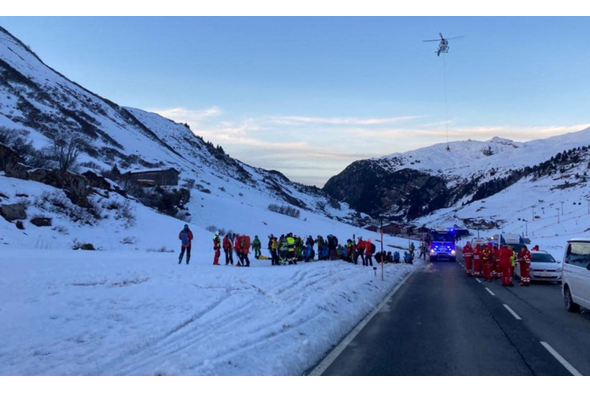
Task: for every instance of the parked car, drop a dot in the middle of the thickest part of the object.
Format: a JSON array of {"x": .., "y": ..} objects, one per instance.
[
  {"x": 543, "y": 267},
  {"x": 576, "y": 275}
]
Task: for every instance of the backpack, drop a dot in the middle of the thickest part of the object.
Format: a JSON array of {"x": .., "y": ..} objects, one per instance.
[
  {"x": 373, "y": 248},
  {"x": 184, "y": 238}
]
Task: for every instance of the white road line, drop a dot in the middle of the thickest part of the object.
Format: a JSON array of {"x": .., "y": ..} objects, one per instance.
[
  {"x": 328, "y": 360},
  {"x": 561, "y": 360},
  {"x": 515, "y": 315},
  {"x": 491, "y": 293},
  {"x": 477, "y": 279}
]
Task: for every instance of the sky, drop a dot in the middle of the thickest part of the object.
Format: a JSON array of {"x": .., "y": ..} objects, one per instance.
[{"x": 309, "y": 95}]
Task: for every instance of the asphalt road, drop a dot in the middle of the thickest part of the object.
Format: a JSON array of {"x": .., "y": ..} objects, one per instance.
[{"x": 441, "y": 322}]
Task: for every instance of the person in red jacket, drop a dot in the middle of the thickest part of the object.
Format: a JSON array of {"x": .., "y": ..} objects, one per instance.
[
  {"x": 524, "y": 258},
  {"x": 505, "y": 265},
  {"x": 217, "y": 248},
  {"x": 477, "y": 261},
  {"x": 495, "y": 262},
  {"x": 186, "y": 237},
  {"x": 468, "y": 256},
  {"x": 228, "y": 250},
  {"x": 238, "y": 249},
  {"x": 368, "y": 253},
  {"x": 486, "y": 255}
]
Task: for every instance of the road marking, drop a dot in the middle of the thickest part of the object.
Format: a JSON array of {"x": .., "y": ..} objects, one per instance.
[
  {"x": 561, "y": 360},
  {"x": 491, "y": 293},
  {"x": 328, "y": 360},
  {"x": 515, "y": 315},
  {"x": 477, "y": 279}
]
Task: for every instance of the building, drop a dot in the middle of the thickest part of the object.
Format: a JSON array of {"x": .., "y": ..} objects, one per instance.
[{"x": 166, "y": 177}]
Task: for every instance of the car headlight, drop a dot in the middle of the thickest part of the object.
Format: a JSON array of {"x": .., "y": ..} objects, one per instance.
[
  {"x": 453, "y": 252},
  {"x": 558, "y": 269}
]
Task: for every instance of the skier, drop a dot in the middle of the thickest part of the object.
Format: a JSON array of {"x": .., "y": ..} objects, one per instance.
[
  {"x": 468, "y": 256},
  {"x": 524, "y": 258},
  {"x": 228, "y": 250},
  {"x": 396, "y": 257},
  {"x": 256, "y": 245},
  {"x": 185, "y": 236},
  {"x": 217, "y": 248},
  {"x": 408, "y": 258}
]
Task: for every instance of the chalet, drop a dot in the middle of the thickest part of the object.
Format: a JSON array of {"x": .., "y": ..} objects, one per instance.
[
  {"x": 166, "y": 177},
  {"x": 392, "y": 229}
]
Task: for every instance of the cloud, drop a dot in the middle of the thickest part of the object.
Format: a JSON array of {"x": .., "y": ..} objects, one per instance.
[
  {"x": 313, "y": 149},
  {"x": 348, "y": 121}
]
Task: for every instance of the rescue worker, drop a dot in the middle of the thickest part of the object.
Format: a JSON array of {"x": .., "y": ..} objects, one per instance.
[
  {"x": 321, "y": 244},
  {"x": 256, "y": 245},
  {"x": 524, "y": 258},
  {"x": 512, "y": 261},
  {"x": 468, "y": 256},
  {"x": 368, "y": 253},
  {"x": 360, "y": 249},
  {"x": 495, "y": 262},
  {"x": 423, "y": 248},
  {"x": 228, "y": 249},
  {"x": 536, "y": 248},
  {"x": 505, "y": 265},
  {"x": 396, "y": 257},
  {"x": 477, "y": 261},
  {"x": 245, "y": 249},
  {"x": 185, "y": 236},
  {"x": 217, "y": 248},
  {"x": 290, "y": 249},
  {"x": 274, "y": 246},
  {"x": 486, "y": 256},
  {"x": 238, "y": 249}
]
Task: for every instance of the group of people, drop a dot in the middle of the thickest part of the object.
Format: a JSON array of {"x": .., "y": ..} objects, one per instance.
[
  {"x": 290, "y": 249},
  {"x": 490, "y": 262}
]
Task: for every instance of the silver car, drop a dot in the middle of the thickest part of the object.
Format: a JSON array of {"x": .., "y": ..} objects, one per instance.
[{"x": 543, "y": 267}]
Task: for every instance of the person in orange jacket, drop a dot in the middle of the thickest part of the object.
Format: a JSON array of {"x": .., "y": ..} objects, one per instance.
[
  {"x": 505, "y": 265},
  {"x": 238, "y": 249},
  {"x": 477, "y": 261},
  {"x": 217, "y": 248},
  {"x": 468, "y": 256},
  {"x": 360, "y": 249},
  {"x": 524, "y": 258},
  {"x": 368, "y": 253}
]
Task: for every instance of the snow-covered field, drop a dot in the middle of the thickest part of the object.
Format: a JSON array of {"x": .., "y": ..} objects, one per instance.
[{"x": 140, "y": 313}]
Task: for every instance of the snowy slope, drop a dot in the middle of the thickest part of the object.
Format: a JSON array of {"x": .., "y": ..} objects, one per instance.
[{"x": 39, "y": 100}]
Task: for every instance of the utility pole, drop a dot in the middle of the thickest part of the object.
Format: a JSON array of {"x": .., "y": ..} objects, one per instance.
[{"x": 382, "y": 274}]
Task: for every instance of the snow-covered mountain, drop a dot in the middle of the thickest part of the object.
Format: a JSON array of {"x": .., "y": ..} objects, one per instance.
[
  {"x": 427, "y": 184},
  {"x": 37, "y": 103}
]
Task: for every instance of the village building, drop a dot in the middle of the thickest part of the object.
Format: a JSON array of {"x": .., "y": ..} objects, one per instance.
[{"x": 166, "y": 177}]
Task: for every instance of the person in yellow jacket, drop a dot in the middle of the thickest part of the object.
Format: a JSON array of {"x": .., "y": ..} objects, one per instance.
[
  {"x": 274, "y": 246},
  {"x": 291, "y": 249},
  {"x": 512, "y": 261}
]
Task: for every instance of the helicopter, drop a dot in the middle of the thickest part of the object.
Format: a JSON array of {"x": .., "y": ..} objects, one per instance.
[{"x": 443, "y": 46}]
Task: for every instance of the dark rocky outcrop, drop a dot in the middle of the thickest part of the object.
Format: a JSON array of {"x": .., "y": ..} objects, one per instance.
[
  {"x": 399, "y": 195},
  {"x": 16, "y": 211},
  {"x": 41, "y": 221}
]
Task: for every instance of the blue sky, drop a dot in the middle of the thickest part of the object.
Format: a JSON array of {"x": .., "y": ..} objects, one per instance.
[{"x": 307, "y": 96}]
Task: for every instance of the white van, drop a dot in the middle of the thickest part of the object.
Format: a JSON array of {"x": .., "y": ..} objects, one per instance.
[{"x": 576, "y": 274}]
